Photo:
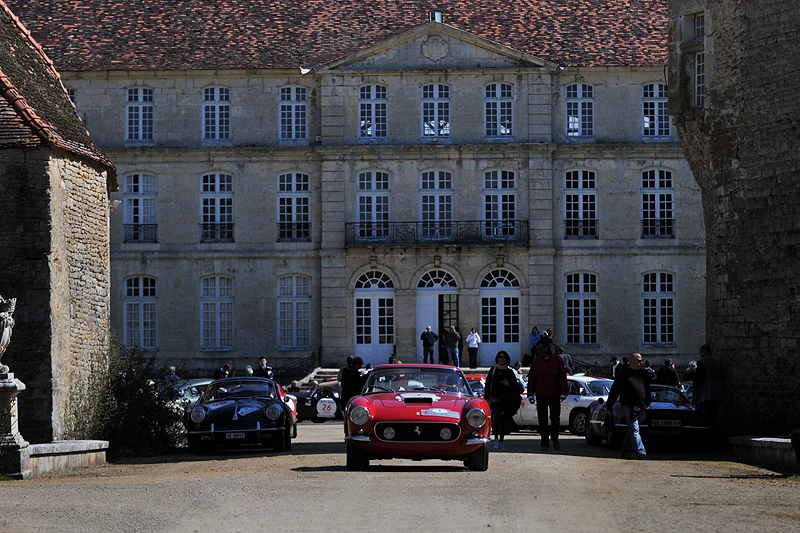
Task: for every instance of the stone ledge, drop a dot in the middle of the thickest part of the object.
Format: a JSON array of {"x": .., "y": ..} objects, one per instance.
[
  {"x": 771, "y": 451},
  {"x": 63, "y": 455}
]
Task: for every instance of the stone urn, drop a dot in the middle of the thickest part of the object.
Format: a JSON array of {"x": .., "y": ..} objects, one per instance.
[{"x": 14, "y": 452}]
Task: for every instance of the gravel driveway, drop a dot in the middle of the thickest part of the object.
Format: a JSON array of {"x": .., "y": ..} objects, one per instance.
[{"x": 580, "y": 488}]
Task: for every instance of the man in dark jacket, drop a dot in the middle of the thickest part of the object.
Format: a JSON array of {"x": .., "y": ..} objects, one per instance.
[
  {"x": 547, "y": 383},
  {"x": 667, "y": 375},
  {"x": 428, "y": 339},
  {"x": 632, "y": 387}
]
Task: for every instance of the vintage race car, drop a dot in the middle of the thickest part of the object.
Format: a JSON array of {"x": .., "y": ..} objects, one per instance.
[
  {"x": 670, "y": 414},
  {"x": 291, "y": 401},
  {"x": 583, "y": 390},
  {"x": 234, "y": 411},
  {"x": 318, "y": 405},
  {"x": 417, "y": 412}
]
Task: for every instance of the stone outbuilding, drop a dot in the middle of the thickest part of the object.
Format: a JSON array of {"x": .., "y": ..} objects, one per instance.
[{"x": 54, "y": 211}]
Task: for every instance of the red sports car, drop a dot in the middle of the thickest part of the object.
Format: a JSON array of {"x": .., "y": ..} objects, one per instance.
[{"x": 417, "y": 411}]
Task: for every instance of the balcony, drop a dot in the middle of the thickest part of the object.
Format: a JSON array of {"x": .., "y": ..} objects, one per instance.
[
  {"x": 481, "y": 232},
  {"x": 216, "y": 232},
  {"x": 663, "y": 228},
  {"x": 294, "y": 232},
  {"x": 140, "y": 232},
  {"x": 580, "y": 229}
]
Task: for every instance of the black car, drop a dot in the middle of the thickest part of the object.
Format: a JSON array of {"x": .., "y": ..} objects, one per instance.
[
  {"x": 318, "y": 405},
  {"x": 234, "y": 411}
]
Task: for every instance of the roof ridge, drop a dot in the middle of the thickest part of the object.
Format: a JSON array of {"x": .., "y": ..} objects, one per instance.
[
  {"x": 25, "y": 31},
  {"x": 25, "y": 111}
]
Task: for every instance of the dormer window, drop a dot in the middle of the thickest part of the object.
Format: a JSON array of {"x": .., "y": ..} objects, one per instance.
[{"x": 435, "y": 16}]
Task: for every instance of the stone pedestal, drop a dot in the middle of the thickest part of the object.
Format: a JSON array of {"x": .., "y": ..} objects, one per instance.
[{"x": 14, "y": 453}]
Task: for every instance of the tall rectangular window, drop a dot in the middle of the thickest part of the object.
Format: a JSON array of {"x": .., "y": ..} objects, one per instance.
[
  {"x": 293, "y": 114},
  {"x": 216, "y": 114},
  {"x": 436, "y": 198},
  {"x": 216, "y": 215},
  {"x": 499, "y": 204},
  {"x": 498, "y": 110},
  {"x": 216, "y": 300},
  {"x": 580, "y": 110},
  {"x": 658, "y": 216},
  {"x": 372, "y": 112},
  {"x": 699, "y": 80},
  {"x": 294, "y": 207},
  {"x": 655, "y": 120},
  {"x": 658, "y": 308},
  {"x": 294, "y": 312},
  {"x": 140, "y": 200},
  {"x": 140, "y": 313},
  {"x": 435, "y": 111},
  {"x": 140, "y": 114},
  {"x": 373, "y": 205},
  {"x": 581, "y": 308},
  {"x": 580, "y": 205}
]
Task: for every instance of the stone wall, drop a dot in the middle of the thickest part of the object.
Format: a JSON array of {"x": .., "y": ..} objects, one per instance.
[
  {"x": 54, "y": 234},
  {"x": 743, "y": 147}
]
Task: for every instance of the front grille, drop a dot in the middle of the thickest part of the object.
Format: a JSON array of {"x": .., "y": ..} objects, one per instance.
[{"x": 417, "y": 431}]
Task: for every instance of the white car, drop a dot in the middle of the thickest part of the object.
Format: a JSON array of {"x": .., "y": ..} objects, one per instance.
[{"x": 583, "y": 390}]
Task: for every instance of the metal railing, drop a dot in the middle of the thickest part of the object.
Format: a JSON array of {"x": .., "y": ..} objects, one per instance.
[
  {"x": 581, "y": 229},
  {"x": 436, "y": 233},
  {"x": 140, "y": 232},
  {"x": 294, "y": 232},
  {"x": 663, "y": 228},
  {"x": 300, "y": 367},
  {"x": 216, "y": 232}
]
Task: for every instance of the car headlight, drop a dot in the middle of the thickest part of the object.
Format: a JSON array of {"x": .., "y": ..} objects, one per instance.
[
  {"x": 274, "y": 411},
  {"x": 476, "y": 417},
  {"x": 359, "y": 415},
  {"x": 198, "y": 415}
]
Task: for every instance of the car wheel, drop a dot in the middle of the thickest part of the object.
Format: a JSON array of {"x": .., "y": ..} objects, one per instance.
[
  {"x": 478, "y": 461},
  {"x": 577, "y": 422},
  {"x": 591, "y": 438},
  {"x": 356, "y": 458},
  {"x": 294, "y": 430},
  {"x": 283, "y": 442},
  {"x": 613, "y": 436},
  {"x": 201, "y": 448}
]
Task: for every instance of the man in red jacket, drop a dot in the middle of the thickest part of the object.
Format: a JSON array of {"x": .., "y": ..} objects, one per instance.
[{"x": 547, "y": 382}]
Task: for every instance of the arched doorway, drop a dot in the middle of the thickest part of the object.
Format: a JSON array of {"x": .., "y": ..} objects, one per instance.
[
  {"x": 373, "y": 312},
  {"x": 437, "y": 306},
  {"x": 500, "y": 319}
]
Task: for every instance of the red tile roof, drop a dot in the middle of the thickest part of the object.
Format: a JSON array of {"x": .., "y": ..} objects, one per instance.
[
  {"x": 230, "y": 34},
  {"x": 34, "y": 106}
]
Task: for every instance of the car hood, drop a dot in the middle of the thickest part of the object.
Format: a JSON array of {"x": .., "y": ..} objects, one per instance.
[
  {"x": 447, "y": 405},
  {"x": 237, "y": 407}
]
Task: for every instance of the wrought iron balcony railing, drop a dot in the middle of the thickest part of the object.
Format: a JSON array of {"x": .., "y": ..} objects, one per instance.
[
  {"x": 294, "y": 232},
  {"x": 436, "y": 233},
  {"x": 216, "y": 232},
  {"x": 663, "y": 228},
  {"x": 580, "y": 229},
  {"x": 140, "y": 232}
]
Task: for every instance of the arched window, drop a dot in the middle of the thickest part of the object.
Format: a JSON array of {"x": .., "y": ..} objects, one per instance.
[
  {"x": 141, "y": 313},
  {"x": 499, "y": 278},
  {"x": 374, "y": 317},
  {"x": 374, "y": 279},
  {"x": 436, "y": 278},
  {"x": 216, "y": 300},
  {"x": 500, "y": 312}
]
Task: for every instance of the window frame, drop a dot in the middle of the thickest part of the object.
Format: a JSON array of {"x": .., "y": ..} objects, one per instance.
[
  {"x": 217, "y": 304},
  {"x": 655, "y": 112},
  {"x": 498, "y": 107},
  {"x": 581, "y": 308},
  {"x": 216, "y": 114},
  {"x": 217, "y": 205},
  {"x": 294, "y": 207},
  {"x": 499, "y": 204},
  {"x": 140, "y": 115},
  {"x": 373, "y": 198},
  {"x": 293, "y": 114},
  {"x": 294, "y": 312},
  {"x": 659, "y": 310},
  {"x": 435, "y": 108},
  {"x": 581, "y": 199},
  {"x": 136, "y": 308},
  {"x": 657, "y": 198},
  {"x": 373, "y": 106},
  {"x": 140, "y": 207},
  {"x": 579, "y": 111}
]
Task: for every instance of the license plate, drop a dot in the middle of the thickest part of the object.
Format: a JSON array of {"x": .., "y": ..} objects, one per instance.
[
  {"x": 666, "y": 423},
  {"x": 234, "y": 435}
]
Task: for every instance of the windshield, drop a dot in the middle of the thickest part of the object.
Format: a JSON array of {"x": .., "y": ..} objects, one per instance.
[
  {"x": 227, "y": 389},
  {"x": 600, "y": 387},
  {"x": 401, "y": 378}
]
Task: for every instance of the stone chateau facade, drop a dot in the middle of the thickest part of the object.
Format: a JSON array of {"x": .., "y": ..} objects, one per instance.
[{"x": 351, "y": 187}]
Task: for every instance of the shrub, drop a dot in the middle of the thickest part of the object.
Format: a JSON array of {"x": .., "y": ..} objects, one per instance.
[{"x": 123, "y": 399}]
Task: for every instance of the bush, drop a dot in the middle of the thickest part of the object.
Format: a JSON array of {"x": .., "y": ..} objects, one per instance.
[{"x": 123, "y": 399}]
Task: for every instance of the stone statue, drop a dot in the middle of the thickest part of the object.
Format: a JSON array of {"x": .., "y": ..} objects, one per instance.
[{"x": 6, "y": 325}]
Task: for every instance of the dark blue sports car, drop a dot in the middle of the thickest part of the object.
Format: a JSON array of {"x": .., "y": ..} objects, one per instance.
[{"x": 235, "y": 411}]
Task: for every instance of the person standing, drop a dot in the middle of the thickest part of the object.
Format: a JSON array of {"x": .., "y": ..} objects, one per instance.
[
  {"x": 709, "y": 382},
  {"x": 352, "y": 380},
  {"x": 667, "y": 375},
  {"x": 428, "y": 339},
  {"x": 614, "y": 365},
  {"x": 632, "y": 387},
  {"x": 547, "y": 383},
  {"x": 171, "y": 377},
  {"x": 473, "y": 343},
  {"x": 451, "y": 341},
  {"x": 263, "y": 371},
  {"x": 500, "y": 394},
  {"x": 691, "y": 370}
]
